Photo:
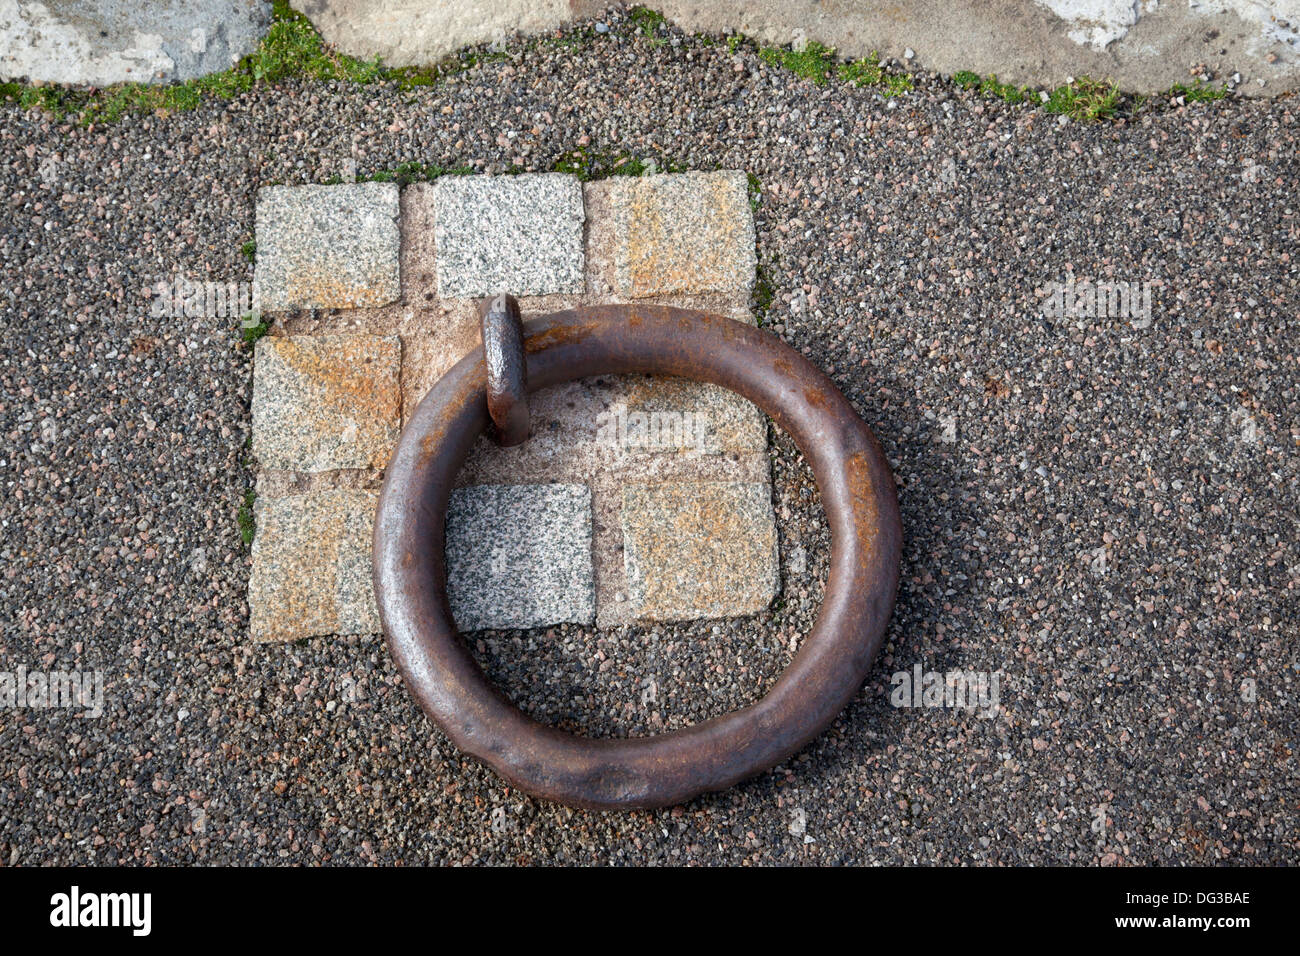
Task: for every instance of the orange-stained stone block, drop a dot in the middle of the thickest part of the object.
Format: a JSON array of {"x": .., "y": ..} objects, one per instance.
[
  {"x": 699, "y": 549},
  {"x": 311, "y": 571},
  {"x": 689, "y": 233},
  {"x": 326, "y": 402}
]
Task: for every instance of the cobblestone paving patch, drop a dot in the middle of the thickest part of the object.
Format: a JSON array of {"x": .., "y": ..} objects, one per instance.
[{"x": 327, "y": 407}]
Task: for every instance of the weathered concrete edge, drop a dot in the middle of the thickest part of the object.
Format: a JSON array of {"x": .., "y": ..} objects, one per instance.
[{"x": 1019, "y": 41}]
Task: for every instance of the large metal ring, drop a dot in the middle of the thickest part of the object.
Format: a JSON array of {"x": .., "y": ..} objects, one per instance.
[{"x": 861, "y": 507}]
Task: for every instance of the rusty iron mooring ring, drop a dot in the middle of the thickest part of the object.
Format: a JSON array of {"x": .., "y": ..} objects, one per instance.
[{"x": 857, "y": 492}]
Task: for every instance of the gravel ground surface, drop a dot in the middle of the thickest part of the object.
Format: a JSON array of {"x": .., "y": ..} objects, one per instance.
[{"x": 905, "y": 241}]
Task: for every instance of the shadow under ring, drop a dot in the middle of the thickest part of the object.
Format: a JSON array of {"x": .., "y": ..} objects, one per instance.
[{"x": 858, "y": 496}]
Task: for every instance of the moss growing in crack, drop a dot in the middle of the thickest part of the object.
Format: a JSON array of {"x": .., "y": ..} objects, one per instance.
[
  {"x": 413, "y": 172},
  {"x": 249, "y": 250},
  {"x": 1198, "y": 92},
  {"x": 414, "y": 77},
  {"x": 244, "y": 518},
  {"x": 896, "y": 84},
  {"x": 590, "y": 164},
  {"x": 253, "y": 327},
  {"x": 864, "y": 72},
  {"x": 991, "y": 86},
  {"x": 1006, "y": 92},
  {"x": 292, "y": 47},
  {"x": 755, "y": 191},
  {"x": 403, "y": 174},
  {"x": 778, "y": 608},
  {"x": 571, "y": 39},
  {"x": 648, "y": 23},
  {"x": 56, "y": 101},
  {"x": 817, "y": 62},
  {"x": 1086, "y": 100},
  {"x": 868, "y": 72},
  {"x": 764, "y": 293},
  {"x": 814, "y": 62}
]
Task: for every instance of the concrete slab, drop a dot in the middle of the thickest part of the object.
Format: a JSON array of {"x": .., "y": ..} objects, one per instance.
[
  {"x": 100, "y": 42},
  {"x": 414, "y": 32},
  {"x": 1145, "y": 46}
]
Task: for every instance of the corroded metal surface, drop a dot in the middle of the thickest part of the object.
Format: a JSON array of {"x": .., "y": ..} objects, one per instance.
[
  {"x": 507, "y": 373},
  {"x": 861, "y": 507}
]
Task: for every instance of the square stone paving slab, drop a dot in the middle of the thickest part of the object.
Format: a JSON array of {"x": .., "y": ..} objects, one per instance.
[
  {"x": 689, "y": 233},
  {"x": 311, "y": 566},
  {"x": 699, "y": 549},
  {"x": 327, "y": 247},
  {"x": 326, "y": 402},
  {"x": 520, "y": 556},
  {"x": 521, "y": 234}
]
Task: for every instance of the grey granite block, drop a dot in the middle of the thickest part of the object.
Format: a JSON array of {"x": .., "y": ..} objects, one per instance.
[
  {"x": 519, "y": 234},
  {"x": 327, "y": 247},
  {"x": 520, "y": 556}
]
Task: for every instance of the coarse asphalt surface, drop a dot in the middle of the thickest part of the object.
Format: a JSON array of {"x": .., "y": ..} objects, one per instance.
[{"x": 1103, "y": 514}]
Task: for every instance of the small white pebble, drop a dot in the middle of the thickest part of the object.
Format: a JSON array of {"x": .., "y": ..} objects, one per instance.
[{"x": 798, "y": 821}]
